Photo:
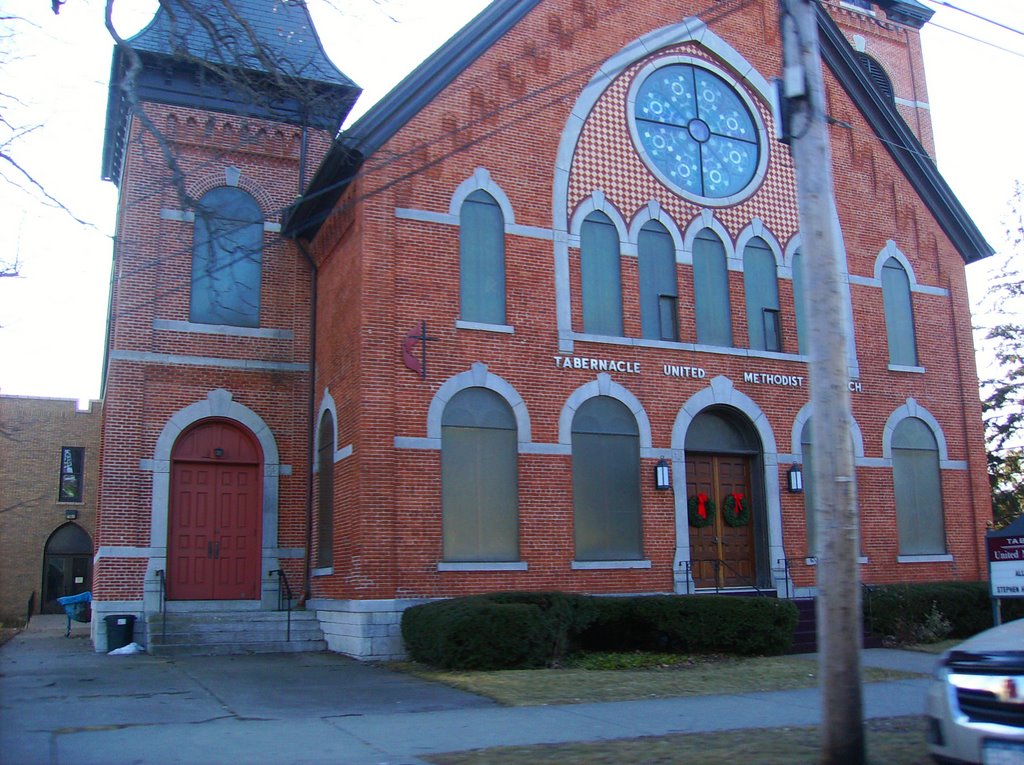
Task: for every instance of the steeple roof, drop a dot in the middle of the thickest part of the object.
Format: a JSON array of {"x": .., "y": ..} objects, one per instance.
[{"x": 258, "y": 58}]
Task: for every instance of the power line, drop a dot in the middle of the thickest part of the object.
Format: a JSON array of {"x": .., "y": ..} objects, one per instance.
[
  {"x": 978, "y": 40},
  {"x": 977, "y": 16}
]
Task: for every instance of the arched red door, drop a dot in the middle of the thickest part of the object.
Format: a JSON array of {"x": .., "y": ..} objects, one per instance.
[{"x": 215, "y": 519}]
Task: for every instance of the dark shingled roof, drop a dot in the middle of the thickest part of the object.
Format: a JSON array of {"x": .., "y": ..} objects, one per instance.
[{"x": 258, "y": 58}]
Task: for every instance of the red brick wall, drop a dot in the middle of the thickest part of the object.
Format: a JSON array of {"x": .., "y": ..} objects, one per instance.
[
  {"x": 380, "y": 276},
  {"x": 152, "y": 282}
]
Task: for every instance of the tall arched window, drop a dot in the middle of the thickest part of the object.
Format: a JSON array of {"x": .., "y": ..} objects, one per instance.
[
  {"x": 227, "y": 255},
  {"x": 479, "y": 478},
  {"x": 899, "y": 314},
  {"x": 761, "y": 286},
  {"x": 800, "y": 296},
  {"x": 325, "y": 492},
  {"x": 601, "y": 275},
  {"x": 918, "y": 488},
  {"x": 711, "y": 290},
  {"x": 807, "y": 453},
  {"x": 658, "y": 290},
  {"x": 482, "y": 259},
  {"x": 606, "y": 481}
]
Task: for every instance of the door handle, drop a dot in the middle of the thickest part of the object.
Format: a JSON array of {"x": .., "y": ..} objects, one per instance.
[
  {"x": 216, "y": 550},
  {"x": 209, "y": 549}
]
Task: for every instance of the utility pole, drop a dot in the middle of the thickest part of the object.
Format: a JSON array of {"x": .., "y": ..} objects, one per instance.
[{"x": 839, "y": 600}]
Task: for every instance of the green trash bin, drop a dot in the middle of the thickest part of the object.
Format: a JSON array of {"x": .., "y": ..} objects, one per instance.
[{"x": 119, "y": 630}]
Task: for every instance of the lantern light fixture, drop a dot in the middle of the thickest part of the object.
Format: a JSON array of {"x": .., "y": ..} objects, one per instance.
[
  {"x": 795, "y": 479},
  {"x": 661, "y": 476}
]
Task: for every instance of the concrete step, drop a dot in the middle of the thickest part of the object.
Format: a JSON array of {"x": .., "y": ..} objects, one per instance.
[{"x": 234, "y": 632}]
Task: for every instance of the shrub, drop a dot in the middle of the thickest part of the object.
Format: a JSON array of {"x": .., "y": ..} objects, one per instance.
[
  {"x": 702, "y": 624},
  {"x": 498, "y": 631},
  {"x": 914, "y": 613}
]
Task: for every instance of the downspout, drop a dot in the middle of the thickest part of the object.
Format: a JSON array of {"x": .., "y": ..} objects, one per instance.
[{"x": 307, "y": 576}]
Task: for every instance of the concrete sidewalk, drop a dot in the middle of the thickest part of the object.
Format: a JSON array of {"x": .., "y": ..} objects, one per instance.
[{"x": 62, "y": 703}]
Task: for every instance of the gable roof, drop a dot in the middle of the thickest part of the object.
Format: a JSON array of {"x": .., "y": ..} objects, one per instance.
[
  {"x": 423, "y": 84},
  {"x": 258, "y": 58}
]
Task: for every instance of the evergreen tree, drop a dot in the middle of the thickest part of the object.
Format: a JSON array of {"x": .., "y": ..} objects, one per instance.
[{"x": 1003, "y": 404}]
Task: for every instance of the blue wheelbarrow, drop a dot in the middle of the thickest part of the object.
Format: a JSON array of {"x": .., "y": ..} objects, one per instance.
[{"x": 76, "y": 607}]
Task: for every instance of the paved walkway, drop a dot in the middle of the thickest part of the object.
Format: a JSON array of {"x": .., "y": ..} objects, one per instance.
[{"x": 63, "y": 704}]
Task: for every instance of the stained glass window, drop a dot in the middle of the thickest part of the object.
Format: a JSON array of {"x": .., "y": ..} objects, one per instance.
[
  {"x": 697, "y": 132},
  {"x": 227, "y": 254}
]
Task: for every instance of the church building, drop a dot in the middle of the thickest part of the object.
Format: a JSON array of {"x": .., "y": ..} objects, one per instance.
[{"x": 536, "y": 321}]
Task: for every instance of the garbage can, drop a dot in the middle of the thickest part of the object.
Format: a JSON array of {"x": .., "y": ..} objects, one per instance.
[{"x": 119, "y": 630}]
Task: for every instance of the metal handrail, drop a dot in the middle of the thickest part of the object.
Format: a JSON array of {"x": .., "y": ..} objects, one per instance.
[
  {"x": 718, "y": 563},
  {"x": 284, "y": 592},
  {"x": 163, "y": 606},
  {"x": 789, "y": 577}
]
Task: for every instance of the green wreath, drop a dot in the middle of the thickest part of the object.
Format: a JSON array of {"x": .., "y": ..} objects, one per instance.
[
  {"x": 733, "y": 516},
  {"x": 694, "y": 512}
]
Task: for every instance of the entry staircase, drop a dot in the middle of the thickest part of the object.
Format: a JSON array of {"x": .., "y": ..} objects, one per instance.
[
  {"x": 225, "y": 633},
  {"x": 805, "y": 636}
]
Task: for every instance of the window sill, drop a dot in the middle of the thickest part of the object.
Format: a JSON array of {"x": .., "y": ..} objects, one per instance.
[
  {"x": 322, "y": 571},
  {"x": 480, "y": 326},
  {"x": 813, "y": 560},
  {"x": 598, "y": 565},
  {"x": 514, "y": 565},
  {"x": 940, "y": 558},
  {"x": 904, "y": 368}
]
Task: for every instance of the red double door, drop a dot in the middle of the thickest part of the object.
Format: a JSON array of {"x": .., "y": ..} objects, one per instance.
[
  {"x": 721, "y": 555},
  {"x": 214, "y": 534}
]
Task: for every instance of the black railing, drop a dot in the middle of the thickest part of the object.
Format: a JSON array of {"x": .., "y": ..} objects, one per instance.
[
  {"x": 790, "y": 587},
  {"x": 163, "y": 606},
  {"x": 284, "y": 598},
  {"x": 719, "y": 564}
]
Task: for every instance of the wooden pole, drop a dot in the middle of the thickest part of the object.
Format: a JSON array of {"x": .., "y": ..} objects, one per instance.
[{"x": 839, "y": 599}]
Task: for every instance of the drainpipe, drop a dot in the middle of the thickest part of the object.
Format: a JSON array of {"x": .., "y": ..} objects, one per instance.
[{"x": 307, "y": 577}]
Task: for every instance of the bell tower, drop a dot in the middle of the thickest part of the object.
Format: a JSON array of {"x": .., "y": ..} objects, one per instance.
[{"x": 218, "y": 111}]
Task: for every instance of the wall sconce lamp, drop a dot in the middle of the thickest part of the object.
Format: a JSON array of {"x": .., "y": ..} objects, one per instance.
[
  {"x": 795, "y": 480},
  {"x": 661, "y": 476}
]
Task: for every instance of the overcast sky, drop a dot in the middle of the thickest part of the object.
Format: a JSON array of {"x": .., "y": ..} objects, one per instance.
[{"x": 55, "y": 71}]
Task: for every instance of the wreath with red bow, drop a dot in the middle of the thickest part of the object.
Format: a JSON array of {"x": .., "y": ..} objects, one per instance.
[
  {"x": 701, "y": 509},
  {"x": 736, "y": 510}
]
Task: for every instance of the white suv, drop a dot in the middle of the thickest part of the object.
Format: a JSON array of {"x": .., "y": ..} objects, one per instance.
[{"x": 976, "y": 704}]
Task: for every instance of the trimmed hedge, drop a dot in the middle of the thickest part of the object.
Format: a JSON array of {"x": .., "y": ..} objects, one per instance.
[
  {"x": 906, "y": 613},
  {"x": 518, "y": 630},
  {"x": 499, "y": 631},
  {"x": 697, "y": 624}
]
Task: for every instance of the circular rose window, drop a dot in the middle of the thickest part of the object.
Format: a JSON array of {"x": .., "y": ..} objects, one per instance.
[{"x": 698, "y": 133}]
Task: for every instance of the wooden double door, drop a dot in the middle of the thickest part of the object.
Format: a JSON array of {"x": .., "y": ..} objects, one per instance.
[
  {"x": 214, "y": 531},
  {"x": 721, "y": 555}
]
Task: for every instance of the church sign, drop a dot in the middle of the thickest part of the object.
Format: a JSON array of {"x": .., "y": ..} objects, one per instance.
[{"x": 1006, "y": 566}]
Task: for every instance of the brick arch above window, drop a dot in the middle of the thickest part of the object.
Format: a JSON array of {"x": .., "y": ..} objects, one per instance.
[
  {"x": 602, "y": 386},
  {"x": 478, "y": 376},
  {"x": 707, "y": 220},
  {"x": 757, "y": 230},
  {"x": 912, "y": 408},
  {"x": 481, "y": 180},
  {"x": 597, "y": 202},
  {"x": 653, "y": 211},
  {"x": 232, "y": 176},
  {"x": 804, "y": 416}
]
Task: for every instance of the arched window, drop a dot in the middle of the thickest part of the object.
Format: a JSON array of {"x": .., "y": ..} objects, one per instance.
[
  {"x": 807, "y": 453},
  {"x": 325, "y": 492},
  {"x": 227, "y": 255},
  {"x": 877, "y": 75},
  {"x": 800, "y": 296},
  {"x": 658, "y": 291},
  {"x": 899, "y": 314},
  {"x": 761, "y": 286},
  {"x": 918, "y": 489},
  {"x": 482, "y": 259},
  {"x": 711, "y": 290},
  {"x": 479, "y": 478},
  {"x": 606, "y": 481},
  {"x": 602, "y": 279}
]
